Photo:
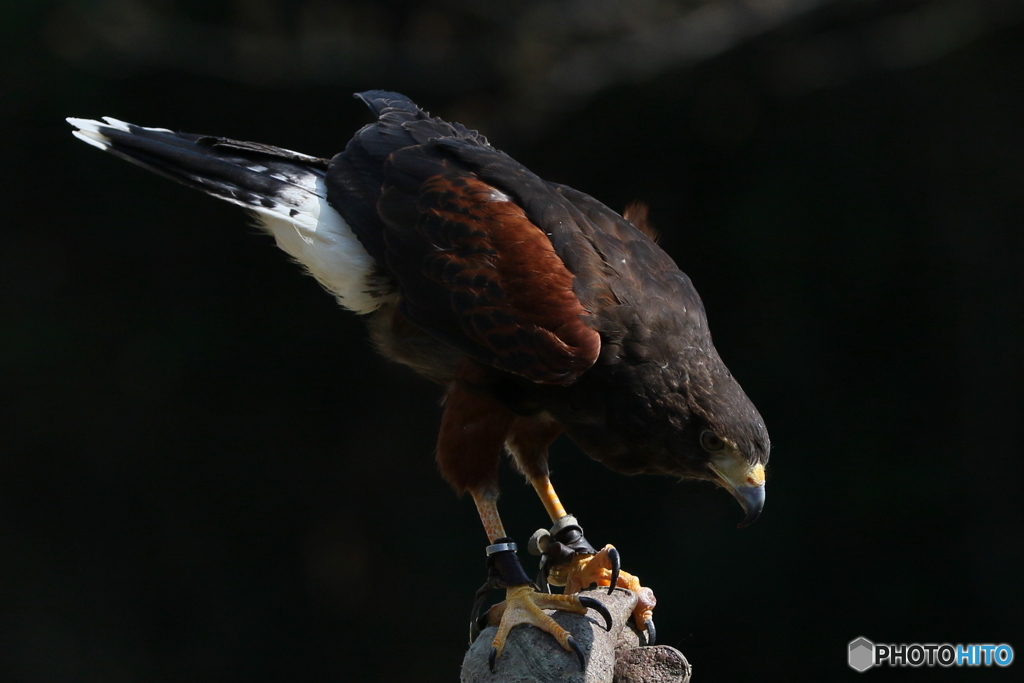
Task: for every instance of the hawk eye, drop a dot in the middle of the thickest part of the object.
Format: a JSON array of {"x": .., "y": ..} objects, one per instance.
[{"x": 710, "y": 441}]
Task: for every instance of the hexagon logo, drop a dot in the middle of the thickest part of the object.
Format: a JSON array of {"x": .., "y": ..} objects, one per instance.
[{"x": 862, "y": 654}]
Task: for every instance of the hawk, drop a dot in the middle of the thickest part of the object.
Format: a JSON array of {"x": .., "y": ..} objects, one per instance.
[{"x": 537, "y": 308}]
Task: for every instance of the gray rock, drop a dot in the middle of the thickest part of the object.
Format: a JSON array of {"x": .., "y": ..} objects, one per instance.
[{"x": 532, "y": 656}]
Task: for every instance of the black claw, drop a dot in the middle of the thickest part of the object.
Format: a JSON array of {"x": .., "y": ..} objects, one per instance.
[
  {"x": 478, "y": 621},
  {"x": 542, "y": 575},
  {"x": 492, "y": 658},
  {"x": 579, "y": 652},
  {"x": 613, "y": 555},
  {"x": 599, "y": 608},
  {"x": 652, "y": 633},
  {"x": 482, "y": 622}
]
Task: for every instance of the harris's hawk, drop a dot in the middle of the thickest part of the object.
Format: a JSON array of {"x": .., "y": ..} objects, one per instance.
[{"x": 539, "y": 309}]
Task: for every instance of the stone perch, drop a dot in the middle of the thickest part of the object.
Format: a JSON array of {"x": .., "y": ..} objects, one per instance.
[{"x": 532, "y": 656}]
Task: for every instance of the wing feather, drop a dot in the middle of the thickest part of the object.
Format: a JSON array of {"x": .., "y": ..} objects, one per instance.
[{"x": 476, "y": 272}]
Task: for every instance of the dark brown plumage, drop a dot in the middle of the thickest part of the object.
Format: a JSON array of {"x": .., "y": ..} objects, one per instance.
[
  {"x": 537, "y": 307},
  {"x": 560, "y": 307}
]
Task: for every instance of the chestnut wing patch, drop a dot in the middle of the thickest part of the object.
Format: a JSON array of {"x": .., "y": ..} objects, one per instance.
[{"x": 475, "y": 272}]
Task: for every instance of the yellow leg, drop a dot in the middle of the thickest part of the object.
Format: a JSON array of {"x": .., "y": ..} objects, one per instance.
[
  {"x": 487, "y": 506},
  {"x": 544, "y": 489}
]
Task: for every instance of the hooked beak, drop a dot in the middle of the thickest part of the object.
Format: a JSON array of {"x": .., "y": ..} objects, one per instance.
[
  {"x": 752, "y": 500},
  {"x": 743, "y": 480}
]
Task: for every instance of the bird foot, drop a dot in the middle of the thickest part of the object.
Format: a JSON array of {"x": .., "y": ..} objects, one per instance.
[
  {"x": 602, "y": 569},
  {"x": 525, "y": 605},
  {"x": 568, "y": 559}
]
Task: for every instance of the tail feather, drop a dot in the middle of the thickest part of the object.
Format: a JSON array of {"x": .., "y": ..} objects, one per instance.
[
  {"x": 285, "y": 189},
  {"x": 209, "y": 164}
]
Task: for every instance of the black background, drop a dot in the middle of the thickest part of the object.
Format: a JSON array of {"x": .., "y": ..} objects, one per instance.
[{"x": 208, "y": 474}]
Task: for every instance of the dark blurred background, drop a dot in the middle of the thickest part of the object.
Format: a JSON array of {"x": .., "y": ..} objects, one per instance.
[{"x": 208, "y": 475}]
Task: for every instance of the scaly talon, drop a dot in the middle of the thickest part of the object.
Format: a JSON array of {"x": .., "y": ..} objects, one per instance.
[
  {"x": 603, "y": 569},
  {"x": 524, "y": 605},
  {"x": 616, "y": 561},
  {"x": 652, "y": 633},
  {"x": 579, "y": 653},
  {"x": 599, "y": 608}
]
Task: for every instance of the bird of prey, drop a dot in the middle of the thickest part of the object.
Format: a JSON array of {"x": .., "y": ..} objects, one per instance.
[{"x": 536, "y": 307}]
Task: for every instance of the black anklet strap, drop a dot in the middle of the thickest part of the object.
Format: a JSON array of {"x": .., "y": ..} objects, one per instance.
[
  {"x": 503, "y": 570},
  {"x": 502, "y": 559},
  {"x": 559, "y": 543}
]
